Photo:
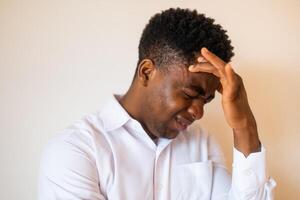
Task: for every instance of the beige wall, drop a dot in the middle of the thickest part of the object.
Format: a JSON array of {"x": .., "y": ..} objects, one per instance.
[{"x": 61, "y": 59}]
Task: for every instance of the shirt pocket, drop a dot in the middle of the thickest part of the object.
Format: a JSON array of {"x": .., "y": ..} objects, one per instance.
[{"x": 192, "y": 181}]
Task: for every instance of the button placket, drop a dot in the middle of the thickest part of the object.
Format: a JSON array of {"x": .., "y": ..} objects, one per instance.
[{"x": 158, "y": 184}]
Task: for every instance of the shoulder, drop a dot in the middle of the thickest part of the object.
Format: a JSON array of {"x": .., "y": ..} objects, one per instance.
[
  {"x": 69, "y": 163},
  {"x": 77, "y": 142}
]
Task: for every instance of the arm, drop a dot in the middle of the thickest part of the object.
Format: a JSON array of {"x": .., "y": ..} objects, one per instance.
[
  {"x": 248, "y": 181},
  {"x": 234, "y": 101},
  {"x": 248, "y": 176}
]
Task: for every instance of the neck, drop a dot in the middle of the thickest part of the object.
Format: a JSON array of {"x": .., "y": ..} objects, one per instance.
[{"x": 131, "y": 102}]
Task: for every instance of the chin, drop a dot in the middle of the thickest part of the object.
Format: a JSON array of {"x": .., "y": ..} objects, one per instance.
[{"x": 170, "y": 134}]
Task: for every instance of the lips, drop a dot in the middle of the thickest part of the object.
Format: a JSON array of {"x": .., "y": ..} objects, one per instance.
[{"x": 182, "y": 123}]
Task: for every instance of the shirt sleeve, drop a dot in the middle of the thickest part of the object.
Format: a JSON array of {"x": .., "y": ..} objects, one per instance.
[
  {"x": 249, "y": 180},
  {"x": 249, "y": 177},
  {"x": 68, "y": 171}
]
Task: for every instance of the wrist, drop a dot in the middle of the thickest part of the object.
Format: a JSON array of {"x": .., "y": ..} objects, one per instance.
[{"x": 246, "y": 139}]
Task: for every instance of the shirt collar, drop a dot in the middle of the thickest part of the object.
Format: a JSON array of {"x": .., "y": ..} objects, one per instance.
[{"x": 113, "y": 115}]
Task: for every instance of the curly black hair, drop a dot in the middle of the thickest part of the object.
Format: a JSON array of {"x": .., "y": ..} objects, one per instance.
[{"x": 177, "y": 35}]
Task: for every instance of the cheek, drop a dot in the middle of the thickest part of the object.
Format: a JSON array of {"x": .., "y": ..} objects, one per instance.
[{"x": 173, "y": 103}]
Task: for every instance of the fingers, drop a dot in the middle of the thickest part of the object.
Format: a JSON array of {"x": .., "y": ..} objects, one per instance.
[
  {"x": 230, "y": 73},
  {"x": 208, "y": 68},
  {"x": 211, "y": 63},
  {"x": 212, "y": 58},
  {"x": 201, "y": 59},
  {"x": 204, "y": 67}
]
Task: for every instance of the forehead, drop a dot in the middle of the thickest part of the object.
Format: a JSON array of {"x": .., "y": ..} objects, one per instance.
[{"x": 181, "y": 77}]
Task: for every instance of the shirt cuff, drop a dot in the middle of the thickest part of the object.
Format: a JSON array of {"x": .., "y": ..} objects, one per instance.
[{"x": 249, "y": 171}]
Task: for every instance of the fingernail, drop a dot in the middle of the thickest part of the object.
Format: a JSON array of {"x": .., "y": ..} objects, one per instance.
[
  {"x": 191, "y": 66},
  {"x": 201, "y": 59},
  {"x": 205, "y": 49}
]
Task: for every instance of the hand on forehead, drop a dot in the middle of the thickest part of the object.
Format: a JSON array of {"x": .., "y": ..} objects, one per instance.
[{"x": 210, "y": 63}]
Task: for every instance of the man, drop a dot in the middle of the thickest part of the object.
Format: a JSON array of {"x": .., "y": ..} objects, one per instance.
[{"x": 141, "y": 144}]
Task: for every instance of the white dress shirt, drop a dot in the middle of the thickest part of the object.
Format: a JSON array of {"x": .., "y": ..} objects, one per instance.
[{"x": 108, "y": 155}]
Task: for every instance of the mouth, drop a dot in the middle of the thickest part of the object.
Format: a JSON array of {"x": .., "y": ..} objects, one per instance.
[{"x": 182, "y": 123}]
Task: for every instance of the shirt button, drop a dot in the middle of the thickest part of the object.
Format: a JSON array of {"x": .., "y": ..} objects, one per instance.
[
  {"x": 248, "y": 172},
  {"x": 159, "y": 187}
]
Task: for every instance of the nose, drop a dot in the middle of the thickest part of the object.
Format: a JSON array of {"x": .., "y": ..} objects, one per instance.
[{"x": 196, "y": 109}]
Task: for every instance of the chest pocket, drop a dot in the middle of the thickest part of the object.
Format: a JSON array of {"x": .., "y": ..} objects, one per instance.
[{"x": 192, "y": 181}]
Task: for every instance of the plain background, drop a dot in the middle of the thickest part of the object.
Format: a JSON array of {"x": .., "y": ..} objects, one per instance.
[{"x": 62, "y": 59}]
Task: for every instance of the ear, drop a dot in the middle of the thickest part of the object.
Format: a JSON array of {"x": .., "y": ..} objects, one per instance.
[{"x": 146, "y": 71}]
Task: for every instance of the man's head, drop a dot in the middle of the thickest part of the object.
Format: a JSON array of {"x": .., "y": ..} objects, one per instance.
[
  {"x": 176, "y": 35},
  {"x": 169, "y": 96}
]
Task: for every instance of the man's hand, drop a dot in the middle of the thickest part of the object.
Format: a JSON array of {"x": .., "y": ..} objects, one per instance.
[{"x": 234, "y": 101}]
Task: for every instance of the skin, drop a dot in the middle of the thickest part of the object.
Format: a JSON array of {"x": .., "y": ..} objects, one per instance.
[
  {"x": 165, "y": 103},
  {"x": 235, "y": 104}
]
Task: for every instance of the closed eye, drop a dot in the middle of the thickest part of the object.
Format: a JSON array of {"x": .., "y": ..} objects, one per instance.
[
  {"x": 189, "y": 93},
  {"x": 189, "y": 96}
]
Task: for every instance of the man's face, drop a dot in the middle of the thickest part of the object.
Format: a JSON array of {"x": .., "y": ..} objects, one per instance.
[{"x": 174, "y": 99}]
